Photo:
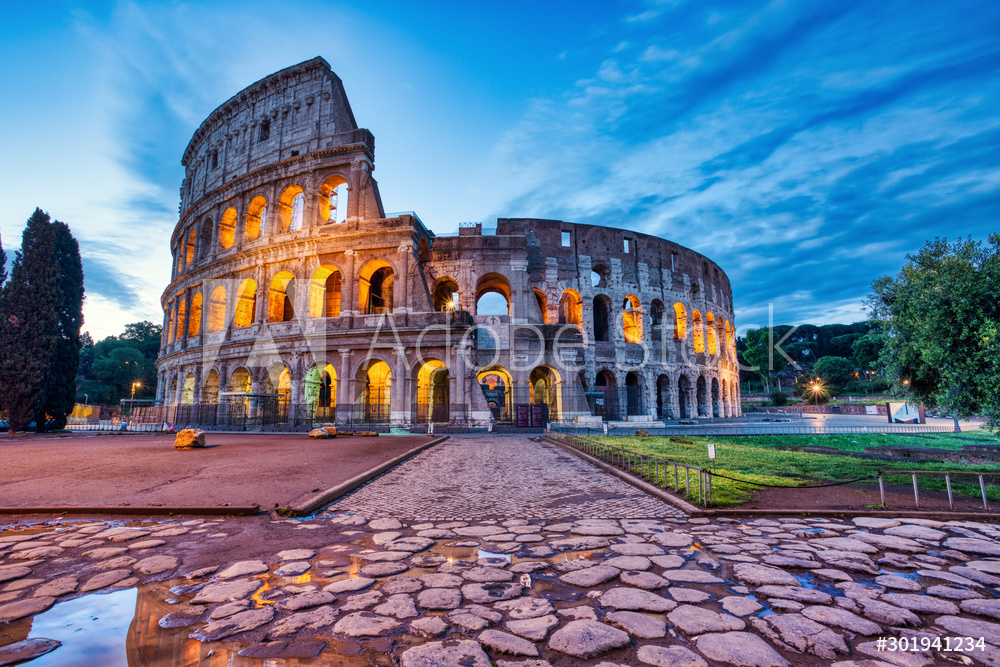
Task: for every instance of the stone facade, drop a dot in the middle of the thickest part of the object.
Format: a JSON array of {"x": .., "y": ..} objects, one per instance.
[{"x": 289, "y": 282}]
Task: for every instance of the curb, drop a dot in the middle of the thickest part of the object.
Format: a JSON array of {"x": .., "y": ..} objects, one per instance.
[
  {"x": 642, "y": 485},
  {"x": 887, "y": 514},
  {"x": 139, "y": 510},
  {"x": 306, "y": 505}
]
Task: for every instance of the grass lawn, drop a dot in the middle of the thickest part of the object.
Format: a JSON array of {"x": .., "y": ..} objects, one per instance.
[{"x": 758, "y": 459}]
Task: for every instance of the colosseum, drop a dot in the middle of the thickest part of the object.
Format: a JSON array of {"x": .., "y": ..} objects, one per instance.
[{"x": 295, "y": 300}]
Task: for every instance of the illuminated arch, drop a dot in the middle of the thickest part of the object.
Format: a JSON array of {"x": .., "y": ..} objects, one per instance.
[
  {"x": 571, "y": 308},
  {"x": 497, "y": 386},
  {"x": 375, "y": 287},
  {"x": 698, "y": 331},
  {"x": 194, "y": 322},
  {"x": 375, "y": 384},
  {"x": 325, "y": 292},
  {"x": 543, "y": 305},
  {"x": 205, "y": 247},
  {"x": 333, "y": 199},
  {"x": 210, "y": 390},
  {"x": 432, "y": 400},
  {"x": 680, "y": 321},
  {"x": 217, "y": 309},
  {"x": 246, "y": 304},
  {"x": 280, "y": 298},
  {"x": 544, "y": 384},
  {"x": 290, "y": 208},
  {"x": 446, "y": 295},
  {"x": 187, "y": 390},
  {"x": 189, "y": 248},
  {"x": 632, "y": 319},
  {"x": 255, "y": 220},
  {"x": 239, "y": 380},
  {"x": 711, "y": 333},
  {"x": 181, "y": 316},
  {"x": 321, "y": 390},
  {"x": 227, "y": 228}
]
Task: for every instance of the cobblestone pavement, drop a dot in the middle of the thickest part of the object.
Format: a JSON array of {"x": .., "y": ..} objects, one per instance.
[
  {"x": 472, "y": 478},
  {"x": 348, "y": 589}
]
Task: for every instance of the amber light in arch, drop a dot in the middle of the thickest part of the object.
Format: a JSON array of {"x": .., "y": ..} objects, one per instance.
[
  {"x": 632, "y": 319},
  {"x": 227, "y": 228}
]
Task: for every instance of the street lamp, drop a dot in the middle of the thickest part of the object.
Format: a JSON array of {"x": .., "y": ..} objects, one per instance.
[
  {"x": 134, "y": 386},
  {"x": 816, "y": 387}
]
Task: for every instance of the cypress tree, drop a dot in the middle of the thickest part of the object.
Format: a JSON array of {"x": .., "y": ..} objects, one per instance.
[
  {"x": 61, "y": 395},
  {"x": 29, "y": 323}
]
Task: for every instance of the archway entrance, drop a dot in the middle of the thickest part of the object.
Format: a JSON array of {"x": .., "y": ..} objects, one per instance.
[
  {"x": 684, "y": 396},
  {"x": 433, "y": 393},
  {"x": 495, "y": 381},
  {"x": 702, "y": 397},
  {"x": 663, "y": 410},
  {"x": 375, "y": 378},
  {"x": 716, "y": 405},
  {"x": 606, "y": 406},
  {"x": 321, "y": 392},
  {"x": 544, "y": 382}
]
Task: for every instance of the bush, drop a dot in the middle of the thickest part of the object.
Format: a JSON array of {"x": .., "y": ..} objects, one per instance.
[{"x": 778, "y": 397}]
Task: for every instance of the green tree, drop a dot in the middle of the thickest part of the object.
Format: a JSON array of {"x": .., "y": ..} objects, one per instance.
[
  {"x": 29, "y": 302},
  {"x": 122, "y": 367},
  {"x": 867, "y": 349},
  {"x": 835, "y": 372},
  {"x": 61, "y": 381},
  {"x": 941, "y": 319}
]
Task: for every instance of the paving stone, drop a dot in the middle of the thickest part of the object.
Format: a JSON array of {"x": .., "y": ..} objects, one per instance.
[
  {"x": 293, "y": 569},
  {"x": 437, "y": 580},
  {"x": 763, "y": 574},
  {"x": 693, "y": 620},
  {"x": 672, "y": 656},
  {"x": 587, "y": 639},
  {"x": 778, "y": 560},
  {"x": 306, "y": 600},
  {"x": 527, "y": 567},
  {"x": 144, "y": 544},
  {"x": 535, "y": 629},
  {"x": 57, "y": 587},
  {"x": 582, "y": 611},
  {"x": 385, "y": 556},
  {"x": 26, "y": 650},
  {"x": 802, "y": 634},
  {"x": 115, "y": 563},
  {"x": 180, "y": 619},
  {"x": 894, "y": 542},
  {"x": 637, "y": 549},
  {"x": 797, "y": 593},
  {"x": 923, "y": 604},
  {"x": 280, "y": 649},
  {"x": 397, "y": 606},
  {"x": 949, "y": 576},
  {"x": 486, "y": 593},
  {"x": 12, "y": 611},
  {"x": 410, "y": 544},
  {"x": 235, "y": 624},
  {"x": 917, "y": 532},
  {"x": 591, "y": 576},
  {"x": 464, "y": 653},
  {"x": 468, "y": 621},
  {"x": 988, "y": 566},
  {"x": 504, "y": 642},
  {"x": 691, "y": 577},
  {"x": 487, "y": 574},
  {"x": 785, "y": 606},
  {"x": 349, "y": 585},
  {"x": 439, "y": 598},
  {"x": 989, "y": 608},
  {"x": 385, "y": 524},
  {"x": 361, "y": 601},
  {"x": 243, "y": 569},
  {"x": 103, "y": 580},
  {"x": 105, "y": 552},
  {"x": 831, "y": 575},
  {"x": 638, "y": 563},
  {"x": 646, "y": 580},
  {"x": 227, "y": 591},
  {"x": 967, "y": 627},
  {"x": 156, "y": 564},
  {"x": 953, "y": 592},
  {"x": 672, "y": 539},
  {"x": 975, "y": 574},
  {"x": 887, "y": 659},
  {"x": 401, "y": 585},
  {"x": 887, "y": 614},
  {"x": 689, "y": 595},
  {"x": 740, "y": 606},
  {"x": 874, "y": 522},
  {"x": 739, "y": 649},
  {"x": 634, "y": 599},
  {"x": 365, "y": 624},
  {"x": 607, "y": 531},
  {"x": 383, "y": 569},
  {"x": 525, "y": 607},
  {"x": 971, "y": 545},
  {"x": 428, "y": 626},
  {"x": 896, "y": 582},
  {"x": 227, "y": 610},
  {"x": 11, "y": 573},
  {"x": 579, "y": 543},
  {"x": 841, "y": 618},
  {"x": 296, "y": 554},
  {"x": 638, "y": 625}
]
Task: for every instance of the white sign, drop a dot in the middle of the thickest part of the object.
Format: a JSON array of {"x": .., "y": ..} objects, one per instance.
[{"x": 711, "y": 450}]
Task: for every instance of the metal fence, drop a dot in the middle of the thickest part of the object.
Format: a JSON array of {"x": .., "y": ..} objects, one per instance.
[
  {"x": 757, "y": 429},
  {"x": 652, "y": 469},
  {"x": 947, "y": 480}
]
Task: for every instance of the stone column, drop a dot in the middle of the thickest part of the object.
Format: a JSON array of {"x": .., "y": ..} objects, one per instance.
[
  {"x": 460, "y": 386},
  {"x": 344, "y": 397},
  {"x": 350, "y": 283},
  {"x": 181, "y": 375},
  {"x": 397, "y": 392},
  {"x": 405, "y": 250},
  {"x": 359, "y": 170},
  {"x": 261, "y": 296},
  {"x": 519, "y": 290},
  {"x": 196, "y": 398}
]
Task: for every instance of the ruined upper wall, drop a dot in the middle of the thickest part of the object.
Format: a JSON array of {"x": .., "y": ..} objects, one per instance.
[{"x": 300, "y": 109}]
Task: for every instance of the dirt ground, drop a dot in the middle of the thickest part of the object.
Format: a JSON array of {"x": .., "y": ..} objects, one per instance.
[
  {"x": 860, "y": 497},
  {"x": 234, "y": 469}
]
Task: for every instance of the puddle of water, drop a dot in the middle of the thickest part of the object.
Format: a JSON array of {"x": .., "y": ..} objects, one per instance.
[{"x": 92, "y": 629}]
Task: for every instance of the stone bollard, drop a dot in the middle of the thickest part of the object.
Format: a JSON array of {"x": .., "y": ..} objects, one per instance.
[
  {"x": 318, "y": 433},
  {"x": 190, "y": 438}
]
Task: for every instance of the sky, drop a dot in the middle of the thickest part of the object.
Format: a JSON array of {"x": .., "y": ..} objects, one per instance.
[{"x": 804, "y": 146}]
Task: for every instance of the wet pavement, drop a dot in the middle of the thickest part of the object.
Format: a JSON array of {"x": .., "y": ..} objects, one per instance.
[{"x": 384, "y": 588}]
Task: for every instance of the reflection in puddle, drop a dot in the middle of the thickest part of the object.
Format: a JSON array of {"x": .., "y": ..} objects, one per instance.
[{"x": 92, "y": 629}]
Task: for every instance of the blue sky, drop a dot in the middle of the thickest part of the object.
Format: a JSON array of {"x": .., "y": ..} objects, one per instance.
[{"x": 805, "y": 146}]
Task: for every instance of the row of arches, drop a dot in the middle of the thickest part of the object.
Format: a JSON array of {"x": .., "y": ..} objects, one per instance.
[
  {"x": 318, "y": 393},
  {"x": 325, "y": 293},
  {"x": 287, "y": 214}
]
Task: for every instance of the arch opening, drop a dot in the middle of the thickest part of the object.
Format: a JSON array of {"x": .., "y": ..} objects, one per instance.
[
  {"x": 376, "y": 385},
  {"x": 571, "y": 308},
  {"x": 699, "y": 332},
  {"x": 446, "y": 295},
  {"x": 633, "y": 394},
  {"x": 210, "y": 390},
  {"x": 602, "y": 318},
  {"x": 493, "y": 295},
  {"x": 684, "y": 396},
  {"x": 321, "y": 391},
  {"x": 497, "y": 387},
  {"x": 716, "y": 404},
  {"x": 711, "y": 333},
  {"x": 255, "y": 221},
  {"x": 325, "y": 292},
  {"x": 702, "y": 396},
  {"x": 433, "y": 393},
  {"x": 194, "y": 325},
  {"x": 333, "y": 200},
  {"x": 291, "y": 206},
  {"x": 246, "y": 304},
  {"x": 543, "y": 305},
  {"x": 544, "y": 383},
  {"x": 632, "y": 319},
  {"x": 663, "y": 407},
  {"x": 680, "y": 321},
  {"x": 281, "y": 298},
  {"x": 227, "y": 228},
  {"x": 217, "y": 309}
]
